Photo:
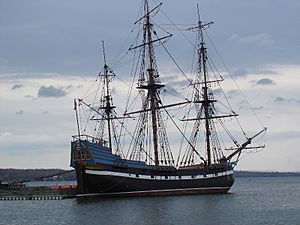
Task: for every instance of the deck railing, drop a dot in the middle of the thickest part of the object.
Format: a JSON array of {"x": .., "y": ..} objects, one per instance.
[{"x": 90, "y": 139}]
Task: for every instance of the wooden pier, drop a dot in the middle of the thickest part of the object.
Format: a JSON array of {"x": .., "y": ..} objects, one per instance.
[{"x": 9, "y": 193}]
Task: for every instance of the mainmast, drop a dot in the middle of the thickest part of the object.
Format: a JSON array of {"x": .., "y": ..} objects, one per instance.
[
  {"x": 151, "y": 87},
  {"x": 150, "y": 124}
]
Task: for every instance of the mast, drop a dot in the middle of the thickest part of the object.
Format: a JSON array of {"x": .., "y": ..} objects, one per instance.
[
  {"x": 152, "y": 86},
  {"x": 211, "y": 138},
  {"x": 77, "y": 117},
  {"x": 150, "y": 123},
  {"x": 206, "y": 102},
  {"x": 108, "y": 106}
]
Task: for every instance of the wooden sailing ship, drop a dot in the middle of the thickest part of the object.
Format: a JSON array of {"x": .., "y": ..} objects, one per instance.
[{"x": 150, "y": 167}]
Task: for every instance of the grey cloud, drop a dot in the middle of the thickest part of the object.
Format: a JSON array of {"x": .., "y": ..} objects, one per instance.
[
  {"x": 178, "y": 83},
  {"x": 16, "y": 86},
  {"x": 174, "y": 82},
  {"x": 171, "y": 90},
  {"x": 21, "y": 112},
  {"x": 29, "y": 75},
  {"x": 269, "y": 72},
  {"x": 241, "y": 107},
  {"x": 232, "y": 94},
  {"x": 261, "y": 38},
  {"x": 284, "y": 135},
  {"x": 217, "y": 91},
  {"x": 113, "y": 90},
  {"x": 56, "y": 43},
  {"x": 5, "y": 134},
  {"x": 286, "y": 100},
  {"x": 279, "y": 99},
  {"x": 3, "y": 62},
  {"x": 243, "y": 72},
  {"x": 240, "y": 73},
  {"x": 29, "y": 96},
  {"x": 51, "y": 91},
  {"x": 258, "y": 108},
  {"x": 265, "y": 81},
  {"x": 174, "y": 85}
]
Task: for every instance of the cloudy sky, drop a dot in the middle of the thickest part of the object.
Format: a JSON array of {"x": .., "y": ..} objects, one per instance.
[{"x": 50, "y": 52}]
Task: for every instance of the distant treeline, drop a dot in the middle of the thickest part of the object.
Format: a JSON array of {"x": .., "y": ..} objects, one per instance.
[
  {"x": 265, "y": 174},
  {"x": 14, "y": 175}
]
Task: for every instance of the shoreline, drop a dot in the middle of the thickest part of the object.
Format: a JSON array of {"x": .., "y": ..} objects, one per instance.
[{"x": 18, "y": 175}]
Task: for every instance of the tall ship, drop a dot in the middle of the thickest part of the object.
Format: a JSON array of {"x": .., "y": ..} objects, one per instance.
[{"x": 164, "y": 146}]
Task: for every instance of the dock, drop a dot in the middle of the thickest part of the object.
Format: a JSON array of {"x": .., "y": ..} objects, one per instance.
[{"x": 20, "y": 192}]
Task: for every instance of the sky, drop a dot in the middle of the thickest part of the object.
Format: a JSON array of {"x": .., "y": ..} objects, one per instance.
[{"x": 50, "y": 52}]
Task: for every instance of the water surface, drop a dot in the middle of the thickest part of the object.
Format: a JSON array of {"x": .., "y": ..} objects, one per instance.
[{"x": 250, "y": 201}]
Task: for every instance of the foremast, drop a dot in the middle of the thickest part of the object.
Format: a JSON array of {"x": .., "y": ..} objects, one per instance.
[
  {"x": 203, "y": 96},
  {"x": 206, "y": 111}
]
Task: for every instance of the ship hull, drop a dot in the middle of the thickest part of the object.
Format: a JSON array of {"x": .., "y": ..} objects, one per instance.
[
  {"x": 108, "y": 183},
  {"x": 102, "y": 173}
]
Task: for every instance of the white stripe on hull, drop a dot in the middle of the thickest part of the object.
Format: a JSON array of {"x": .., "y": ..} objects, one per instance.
[{"x": 148, "y": 177}]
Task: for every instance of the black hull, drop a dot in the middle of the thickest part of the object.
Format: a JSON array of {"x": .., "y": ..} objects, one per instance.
[
  {"x": 99, "y": 184},
  {"x": 102, "y": 173}
]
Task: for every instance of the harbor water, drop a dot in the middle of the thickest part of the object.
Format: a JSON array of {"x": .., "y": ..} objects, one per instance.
[{"x": 265, "y": 200}]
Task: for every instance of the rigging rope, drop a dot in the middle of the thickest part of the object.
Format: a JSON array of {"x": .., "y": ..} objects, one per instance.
[
  {"x": 176, "y": 63},
  {"x": 183, "y": 134},
  {"x": 190, "y": 42},
  {"x": 230, "y": 74}
]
